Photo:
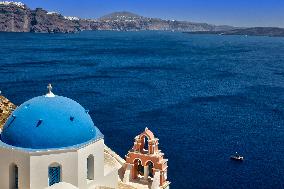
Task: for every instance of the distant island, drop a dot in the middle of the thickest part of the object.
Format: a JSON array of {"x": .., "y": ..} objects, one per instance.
[
  {"x": 18, "y": 17},
  {"x": 254, "y": 31}
]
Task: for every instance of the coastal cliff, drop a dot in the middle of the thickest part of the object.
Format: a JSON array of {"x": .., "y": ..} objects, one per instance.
[
  {"x": 17, "y": 17},
  {"x": 126, "y": 21}
]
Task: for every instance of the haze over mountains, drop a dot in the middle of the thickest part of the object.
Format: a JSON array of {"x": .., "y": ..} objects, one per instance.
[{"x": 17, "y": 17}]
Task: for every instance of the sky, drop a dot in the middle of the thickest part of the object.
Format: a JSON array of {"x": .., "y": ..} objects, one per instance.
[{"x": 243, "y": 13}]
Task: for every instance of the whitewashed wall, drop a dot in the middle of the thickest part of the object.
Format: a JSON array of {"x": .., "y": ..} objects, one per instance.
[
  {"x": 33, "y": 167},
  {"x": 39, "y": 163},
  {"x": 19, "y": 158}
]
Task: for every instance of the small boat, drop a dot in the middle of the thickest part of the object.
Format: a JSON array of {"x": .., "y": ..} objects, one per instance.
[{"x": 237, "y": 157}]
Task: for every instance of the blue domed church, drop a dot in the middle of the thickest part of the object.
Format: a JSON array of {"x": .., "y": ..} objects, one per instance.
[{"x": 51, "y": 141}]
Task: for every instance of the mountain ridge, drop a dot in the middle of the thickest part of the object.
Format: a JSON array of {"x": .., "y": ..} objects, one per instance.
[{"x": 18, "y": 17}]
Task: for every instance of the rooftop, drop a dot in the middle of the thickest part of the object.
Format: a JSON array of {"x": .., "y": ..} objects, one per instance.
[{"x": 49, "y": 122}]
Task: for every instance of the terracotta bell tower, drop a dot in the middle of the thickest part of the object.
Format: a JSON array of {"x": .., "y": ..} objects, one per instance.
[{"x": 145, "y": 163}]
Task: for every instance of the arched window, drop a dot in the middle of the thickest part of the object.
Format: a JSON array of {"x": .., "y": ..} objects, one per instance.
[
  {"x": 90, "y": 167},
  {"x": 14, "y": 176},
  {"x": 54, "y": 174}
]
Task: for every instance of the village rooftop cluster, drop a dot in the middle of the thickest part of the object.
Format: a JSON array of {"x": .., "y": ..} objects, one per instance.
[{"x": 18, "y": 4}]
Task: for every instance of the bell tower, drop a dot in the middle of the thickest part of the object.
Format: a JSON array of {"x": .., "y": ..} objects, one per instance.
[{"x": 145, "y": 163}]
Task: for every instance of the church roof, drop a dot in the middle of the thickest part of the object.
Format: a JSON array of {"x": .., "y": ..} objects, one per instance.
[{"x": 49, "y": 122}]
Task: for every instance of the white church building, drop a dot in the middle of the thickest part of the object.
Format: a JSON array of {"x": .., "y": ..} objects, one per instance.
[{"x": 51, "y": 141}]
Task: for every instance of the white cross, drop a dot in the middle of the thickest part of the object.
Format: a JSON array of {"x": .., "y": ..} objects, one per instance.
[
  {"x": 49, "y": 93},
  {"x": 49, "y": 87}
]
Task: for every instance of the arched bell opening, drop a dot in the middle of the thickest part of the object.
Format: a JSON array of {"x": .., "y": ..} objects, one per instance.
[
  {"x": 150, "y": 166},
  {"x": 138, "y": 169},
  {"x": 145, "y": 144}
]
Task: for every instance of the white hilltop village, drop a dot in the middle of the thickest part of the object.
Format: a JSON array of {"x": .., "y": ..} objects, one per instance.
[
  {"x": 22, "y": 5},
  {"x": 71, "y": 18},
  {"x": 51, "y": 142},
  {"x": 18, "y": 4}
]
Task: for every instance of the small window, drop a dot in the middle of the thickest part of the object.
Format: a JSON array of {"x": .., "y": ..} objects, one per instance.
[
  {"x": 14, "y": 176},
  {"x": 54, "y": 175},
  {"x": 90, "y": 167}
]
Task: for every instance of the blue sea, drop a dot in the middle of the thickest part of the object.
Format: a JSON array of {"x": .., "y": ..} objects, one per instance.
[{"x": 204, "y": 96}]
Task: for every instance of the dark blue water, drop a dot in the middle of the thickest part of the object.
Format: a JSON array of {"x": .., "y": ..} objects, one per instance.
[{"x": 204, "y": 96}]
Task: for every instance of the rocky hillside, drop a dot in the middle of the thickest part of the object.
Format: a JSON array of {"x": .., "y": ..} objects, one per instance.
[
  {"x": 17, "y": 17},
  {"x": 126, "y": 21},
  {"x": 6, "y": 108}
]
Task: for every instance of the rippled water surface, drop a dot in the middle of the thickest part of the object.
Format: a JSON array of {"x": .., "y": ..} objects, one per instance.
[{"x": 204, "y": 96}]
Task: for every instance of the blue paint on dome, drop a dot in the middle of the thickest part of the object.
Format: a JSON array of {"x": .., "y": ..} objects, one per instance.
[{"x": 48, "y": 123}]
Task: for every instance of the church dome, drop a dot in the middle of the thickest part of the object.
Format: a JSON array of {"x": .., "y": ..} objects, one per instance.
[{"x": 48, "y": 122}]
